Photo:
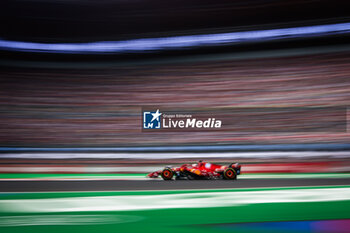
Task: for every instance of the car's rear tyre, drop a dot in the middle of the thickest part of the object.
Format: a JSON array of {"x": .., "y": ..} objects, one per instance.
[
  {"x": 230, "y": 174},
  {"x": 167, "y": 174}
]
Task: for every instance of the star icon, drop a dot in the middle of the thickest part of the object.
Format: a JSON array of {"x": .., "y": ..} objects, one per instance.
[{"x": 156, "y": 115}]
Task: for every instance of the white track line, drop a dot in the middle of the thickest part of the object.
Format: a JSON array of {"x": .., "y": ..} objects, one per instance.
[{"x": 172, "y": 201}]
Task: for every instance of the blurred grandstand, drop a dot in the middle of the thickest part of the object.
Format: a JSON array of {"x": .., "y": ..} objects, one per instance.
[{"x": 89, "y": 108}]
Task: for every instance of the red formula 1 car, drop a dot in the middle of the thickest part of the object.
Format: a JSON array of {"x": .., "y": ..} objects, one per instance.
[{"x": 199, "y": 171}]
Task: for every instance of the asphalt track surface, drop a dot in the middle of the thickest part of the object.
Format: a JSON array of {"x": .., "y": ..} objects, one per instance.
[{"x": 119, "y": 185}]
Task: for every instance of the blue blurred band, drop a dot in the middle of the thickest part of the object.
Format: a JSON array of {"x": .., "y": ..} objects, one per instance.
[{"x": 175, "y": 42}]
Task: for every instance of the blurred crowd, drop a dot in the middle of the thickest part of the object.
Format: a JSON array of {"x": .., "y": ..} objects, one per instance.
[{"x": 102, "y": 107}]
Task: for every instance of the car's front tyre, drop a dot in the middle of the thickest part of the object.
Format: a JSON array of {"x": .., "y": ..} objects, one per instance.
[{"x": 167, "y": 174}]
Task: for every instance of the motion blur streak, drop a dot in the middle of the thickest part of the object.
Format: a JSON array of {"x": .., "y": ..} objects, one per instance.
[
  {"x": 149, "y": 156},
  {"x": 56, "y": 220},
  {"x": 166, "y": 201},
  {"x": 176, "y": 42},
  {"x": 333, "y": 146}
]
